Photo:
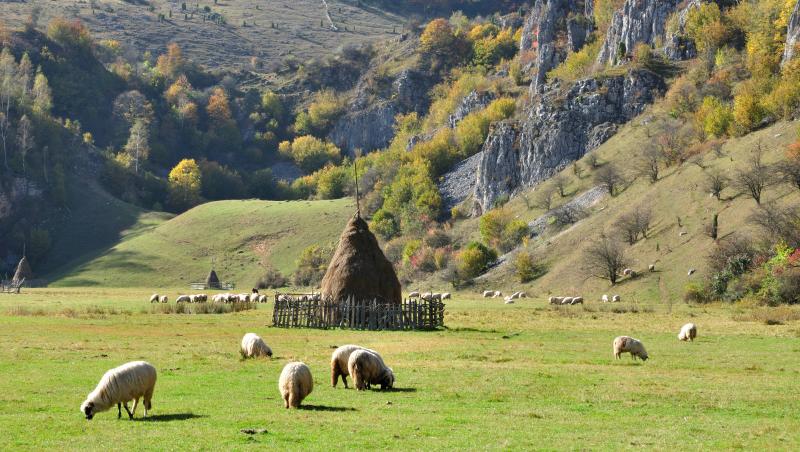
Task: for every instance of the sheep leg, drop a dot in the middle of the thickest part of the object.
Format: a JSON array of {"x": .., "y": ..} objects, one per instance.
[
  {"x": 286, "y": 400},
  {"x": 135, "y": 404},
  {"x": 344, "y": 380},
  {"x": 130, "y": 415},
  {"x": 119, "y": 411}
]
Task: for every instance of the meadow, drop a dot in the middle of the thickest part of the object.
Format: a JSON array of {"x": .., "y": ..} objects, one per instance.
[{"x": 522, "y": 376}]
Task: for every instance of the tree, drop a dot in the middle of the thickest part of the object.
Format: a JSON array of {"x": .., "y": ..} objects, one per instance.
[
  {"x": 129, "y": 107},
  {"x": 42, "y": 96},
  {"x": 560, "y": 183},
  {"x": 789, "y": 168},
  {"x": 474, "y": 260},
  {"x": 4, "y": 128},
  {"x": 24, "y": 77},
  {"x": 648, "y": 163},
  {"x": 715, "y": 182},
  {"x": 138, "y": 145},
  {"x": 172, "y": 63},
  {"x": 442, "y": 44},
  {"x": 605, "y": 258},
  {"x": 525, "y": 268},
  {"x": 779, "y": 223},
  {"x": 24, "y": 139},
  {"x": 185, "y": 182},
  {"x": 310, "y": 153},
  {"x": 753, "y": 179},
  {"x": 609, "y": 178}
]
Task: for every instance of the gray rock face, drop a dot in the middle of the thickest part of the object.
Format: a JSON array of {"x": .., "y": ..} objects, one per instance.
[
  {"x": 637, "y": 21},
  {"x": 559, "y": 129},
  {"x": 545, "y": 24},
  {"x": 678, "y": 45},
  {"x": 792, "y": 35},
  {"x": 473, "y": 101},
  {"x": 370, "y": 125}
]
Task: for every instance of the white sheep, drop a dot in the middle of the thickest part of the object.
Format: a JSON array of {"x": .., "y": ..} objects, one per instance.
[
  {"x": 488, "y": 293},
  {"x": 688, "y": 332},
  {"x": 691, "y": 272},
  {"x": 616, "y": 298},
  {"x": 651, "y": 268},
  {"x": 509, "y": 301},
  {"x": 253, "y": 346},
  {"x": 627, "y": 344},
  {"x": 262, "y": 298},
  {"x": 154, "y": 298},
  {"x": 497, "y": 293},
  {"x": 120, "y": 385},
  {"x": 413, "y": 295},
  {"x": 577, "y": 300},
  {"x": 244, "y": 297},
  {"x": 627, "y": 272},
  {"x": 604, "y": 298},
  {"x": 566, "y": 300},
  {"x": 523, "y": 295},
  {"x": 446, "y": 296},
  {"x": 183, "y": 299},
  {"x": 556, "y": 300},
  {"x": 219, "y": 298},
  {"x": 295, "y": 384},
  {"x": 164, "y": 299},
  {"x": 367, "y": 369},
  {"x": 195, "y": 298},
  {"x": 339, "y": 360}
]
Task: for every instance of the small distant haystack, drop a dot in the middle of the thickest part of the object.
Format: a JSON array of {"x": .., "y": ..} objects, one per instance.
[
  {"x": 23, "y": 270},
  {"x": 212, "y": 281},
  {"x": 359, "y": 269}
]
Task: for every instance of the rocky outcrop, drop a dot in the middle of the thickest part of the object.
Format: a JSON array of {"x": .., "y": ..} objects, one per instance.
[
  {"x": 369, "y": 124},
  {"x": 561, "y": 128},
  {"x": 792, "y": 35},
  {"x": 547, "y": 22},
  {"x": 639, "y": 21},
  {"x": 679, "y": 46},
  {"x": 473, "y": 101}
]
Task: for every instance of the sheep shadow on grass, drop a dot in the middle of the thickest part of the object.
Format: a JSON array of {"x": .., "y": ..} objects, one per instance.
[
  {"x": 325, "y": 408},
  {"x": 399, "y": 390},
  {"x": 170, "y": 417}
]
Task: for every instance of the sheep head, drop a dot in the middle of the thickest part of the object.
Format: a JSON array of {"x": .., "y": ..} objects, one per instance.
[{"x": 88, "y": 410}]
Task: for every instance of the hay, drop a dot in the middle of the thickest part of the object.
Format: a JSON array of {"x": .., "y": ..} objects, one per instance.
[
  {"x": 359, "y": 269},
  {"x": 212, "y": 281},
  {"x": 23, "y": 271}
]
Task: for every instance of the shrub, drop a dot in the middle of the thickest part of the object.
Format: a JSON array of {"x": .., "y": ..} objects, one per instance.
[
  {"x": 475, "y": 259},
  {"x": 525, "y": 268},
  {"x": 326, "y": 108},
  {"x": 272, "y": 279},
  {"x": 578, "y": 64},
  {"x": 436, "y": 238},
  {"x": 714, "y": 117},
  {"x": 697, "y": 293},
  {"x": 311, "y": 265},
  {"x": 384, "y": 224},
  {"x": 310, "y": 153}
]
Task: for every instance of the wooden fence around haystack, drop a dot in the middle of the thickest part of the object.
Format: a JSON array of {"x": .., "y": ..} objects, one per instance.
[{"x": 376, "y": 314}]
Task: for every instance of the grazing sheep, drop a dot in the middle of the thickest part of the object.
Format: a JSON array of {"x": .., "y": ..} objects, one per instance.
[
  {"x": 219, "y": 298},
  {"x": 244, "y": 298},
  {"x": 627, "y": 272},
  {"x": 577, "y": 300},
  {"x": 295, "y": 384},
  {"x": 523, "y": 295},
  {"x": 488, "y": 293},
  {"x": 154, "y": 298},
  {"x": 195, "y": 298},
  {"x": 651, "y": 268},
  {"x": 262, "y": 298},
  {"x": 497, "y": 293},
  {"x": 682, "y": 233},
  {"x": 164, "y": 299},
  {"x": 515, "y": 295},
  {"x": 183, "y": 299},
  {"x": 627, "y": 344},
  {"x": 446, "y": 296},
  {"x": 367, "y": 368},
  {"x": 120, "y": 385},
  {"x": 616, "y": 298},
  {"x": 253, "y": 346},
  {"x": 436, "y": 297},
  {"x": 339, "y": 359},
  {"x": 688, "y": 332},
  {"x": 556, "y": 300},
  {"x": 566, "y": 300},
  {"x": 509, "y": 301},
  {"x": 691, "y": 272},
  {"x": 413, "y": 295},
  {"x": 254, "y": 291},
  {"x": 604, "y": 298}
]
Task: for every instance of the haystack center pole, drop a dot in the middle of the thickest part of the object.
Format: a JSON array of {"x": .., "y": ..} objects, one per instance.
[{"x": 355, "y": 176}]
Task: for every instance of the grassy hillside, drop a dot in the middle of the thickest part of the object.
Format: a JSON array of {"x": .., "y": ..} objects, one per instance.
[
  {"x": 678, "y": 194},
  {"x": 242, "y": 236},
  {"x": 297, "y": 27}
]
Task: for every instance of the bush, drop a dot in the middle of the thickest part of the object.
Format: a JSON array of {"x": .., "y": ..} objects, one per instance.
[
  {"x": 311, "y": 265},
  {"x": 310, "y": 153},
  {"x": 697, "y": 293},
  {"x": 525, "y": 268},
  {"x": 475, "y": 259},
  {"x": 326, "y": 108},
  {"x": 714, "y": 118},
  {"x": 272, "y": 279},
  {"x": 437, "y": 238},
  {"x": 384, "y": 224}
]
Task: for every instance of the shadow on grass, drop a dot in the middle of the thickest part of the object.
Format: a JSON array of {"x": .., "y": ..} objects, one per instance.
[
  {"x": 325, "y": 408},
  {"x": 171, "y": 417},
  {"x": 400, "y": 390}
]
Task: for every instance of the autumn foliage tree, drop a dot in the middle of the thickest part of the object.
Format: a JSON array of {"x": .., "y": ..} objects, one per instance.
[
  {"x": 185, "y": 182},
  {"x": 440, "y": 43}
]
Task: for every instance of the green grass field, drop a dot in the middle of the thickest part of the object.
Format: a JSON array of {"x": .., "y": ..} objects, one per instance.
[
  {"x": 524, "y": 376},
  {"x": 242, "y": 236}
]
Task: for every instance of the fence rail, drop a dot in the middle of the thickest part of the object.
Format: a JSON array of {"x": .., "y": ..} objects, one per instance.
[{"x": 291, "y": 312}]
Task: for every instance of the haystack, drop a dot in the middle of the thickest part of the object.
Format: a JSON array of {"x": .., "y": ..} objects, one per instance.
[
  {"x": 212, "y": 281},
  {"x": 23, "y": 270},
  {"x": 359, "y": 269}
]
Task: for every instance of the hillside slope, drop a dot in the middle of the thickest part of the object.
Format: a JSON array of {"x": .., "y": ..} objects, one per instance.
[
  {"x": 242, "y": 236},
  {"x": 678, "y": 196}
]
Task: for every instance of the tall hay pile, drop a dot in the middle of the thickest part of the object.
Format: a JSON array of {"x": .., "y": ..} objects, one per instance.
[
  {"x": 212, "y": 281},
  {"x": 359, "y": 269},
  {"x": 23, "y": 270}
]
